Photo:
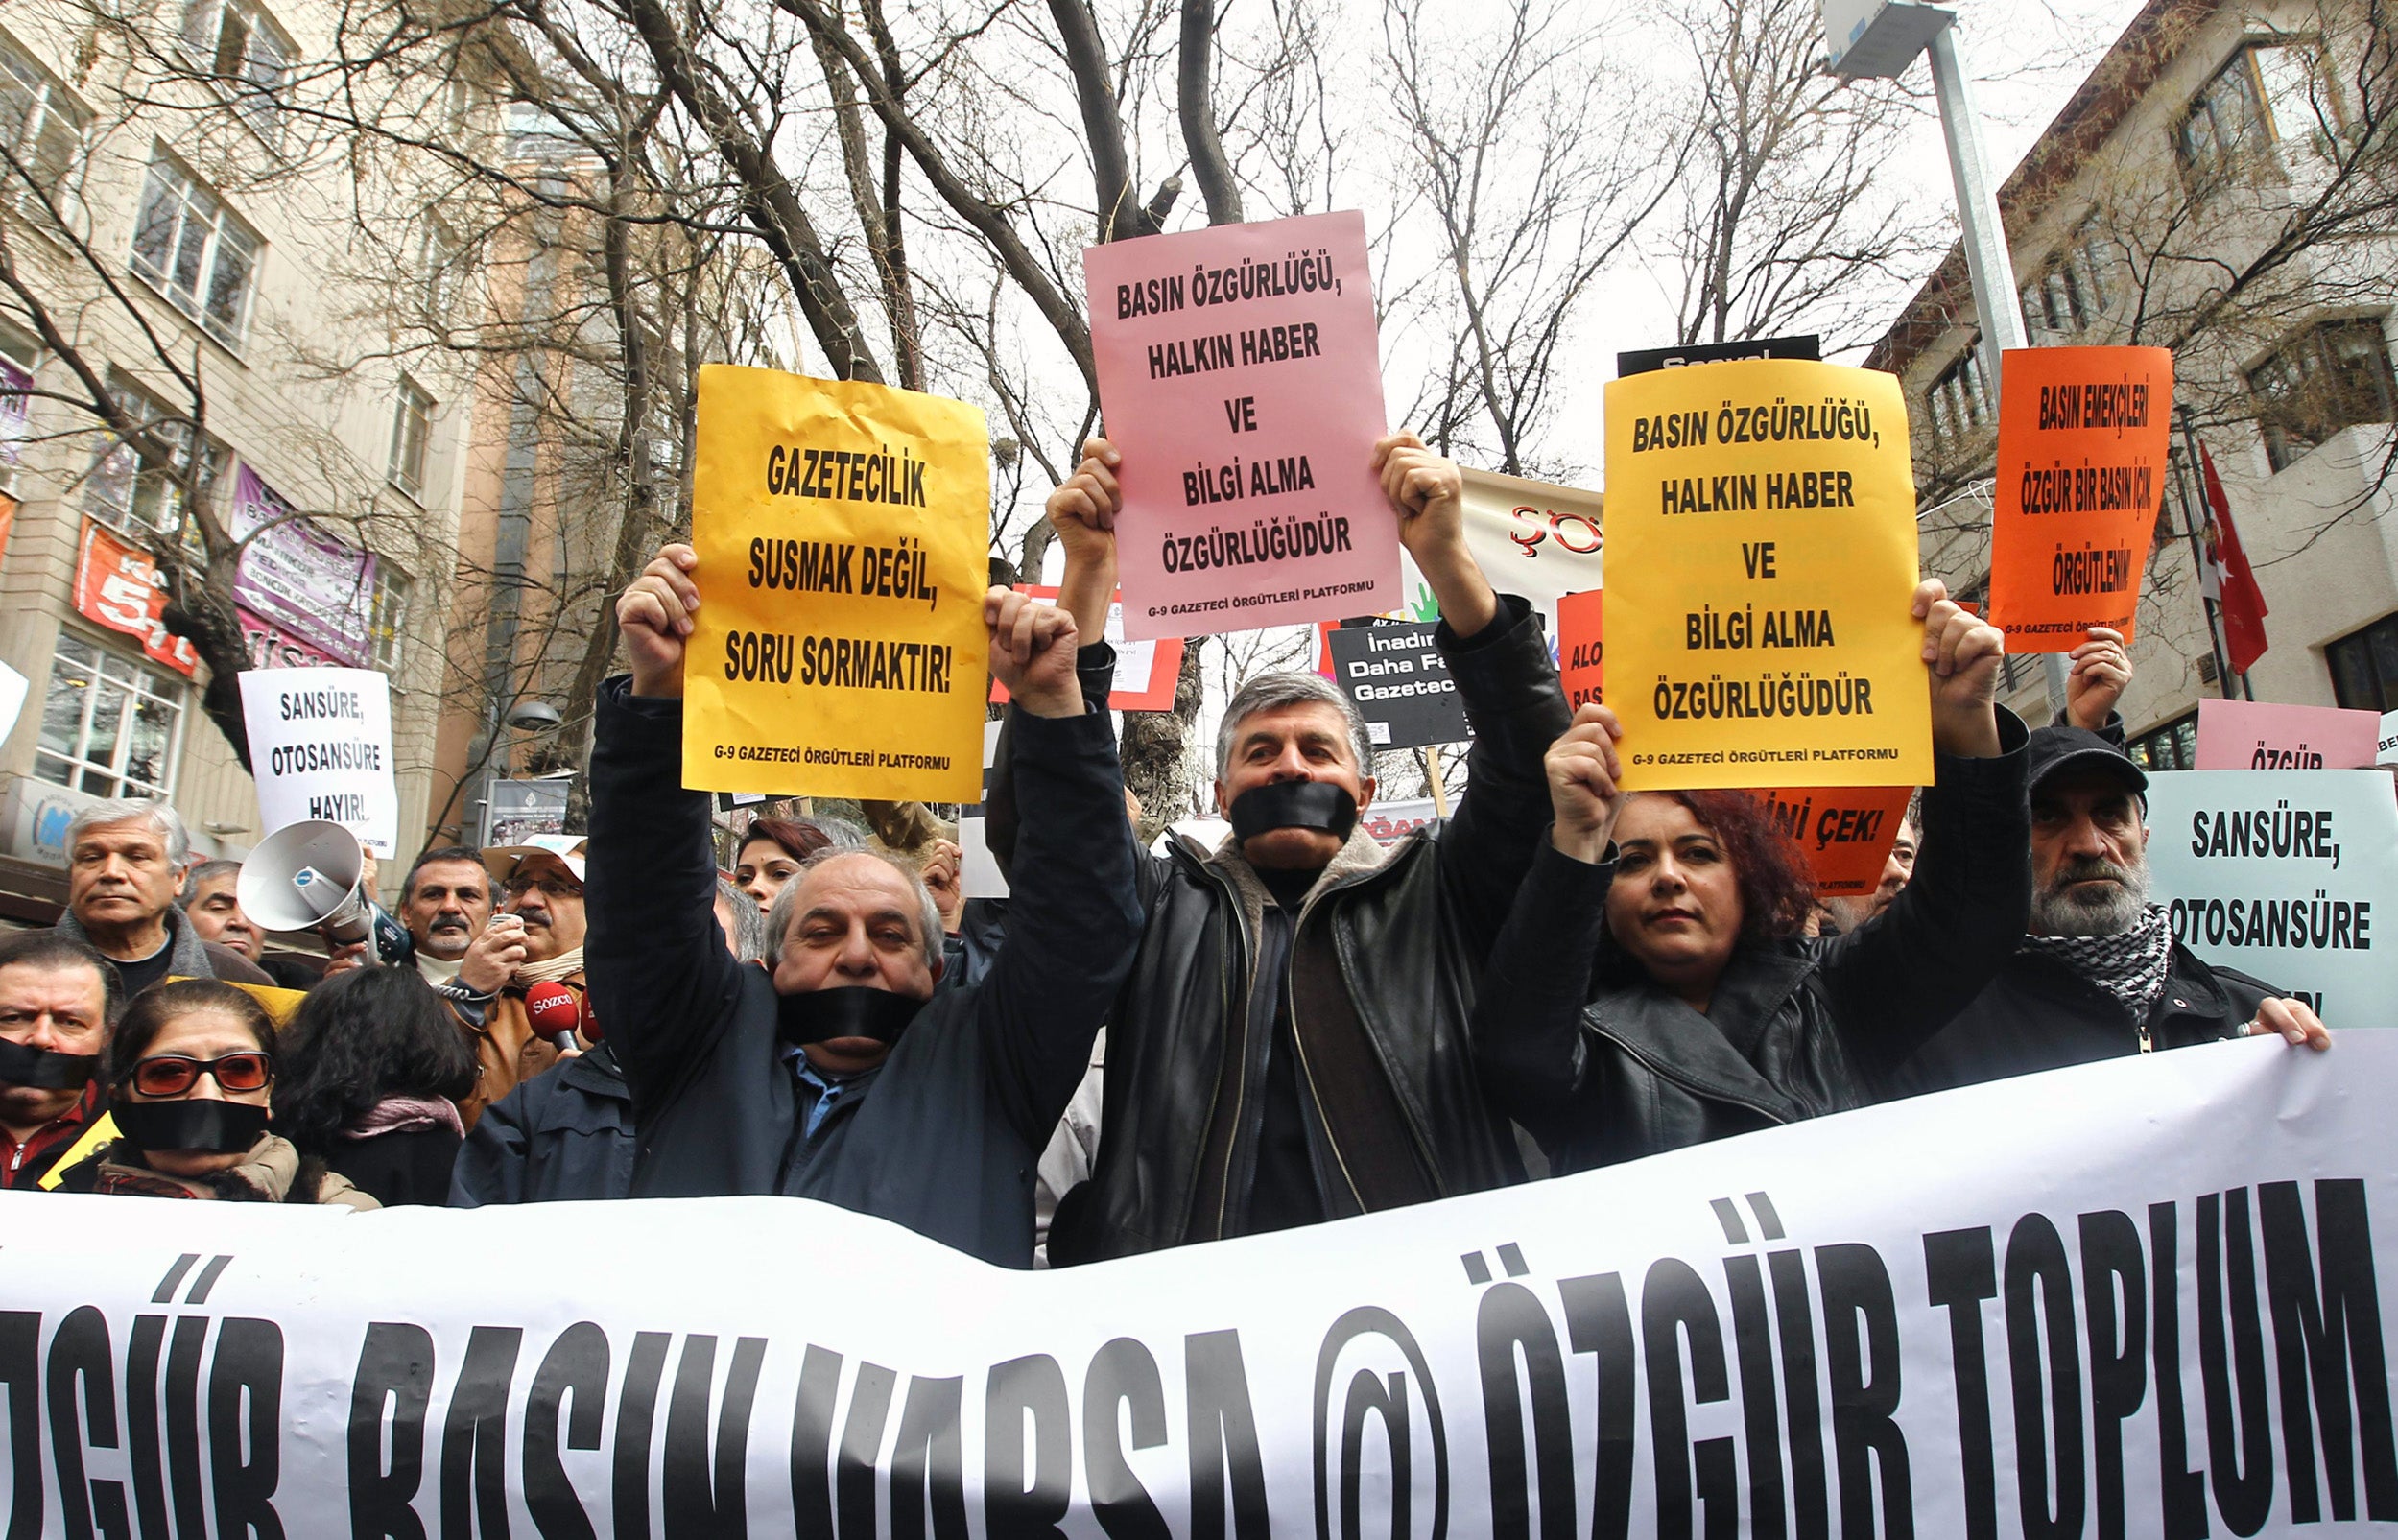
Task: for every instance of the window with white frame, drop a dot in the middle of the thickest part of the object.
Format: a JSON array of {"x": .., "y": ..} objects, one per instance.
[
  {"x": 18, "y": 358},
  {"x": 110, "y": 726},
  {"x": 2332, "y": 375},
  {"x": 392, "y": 587},
  {"x": 240, "y": 45},
  {"x": 2268, "y": 93},
  {"x": 412, "y": 428},
  {"x": 2071, "y": 291},
  {"x": 439, "y": 264},
  {"x": 43, "y": 128},
  {"x": 1960, "y": 400},
  {"x": 143, "y": 491},
  {"x": 188, "y": 244}
]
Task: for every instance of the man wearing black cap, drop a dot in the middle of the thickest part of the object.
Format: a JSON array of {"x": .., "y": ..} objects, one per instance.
[
  {"x": 1292, "y": 1045},
  {"x": 2100, "y": 974}
]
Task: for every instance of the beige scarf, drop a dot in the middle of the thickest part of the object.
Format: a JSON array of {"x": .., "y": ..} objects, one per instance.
[{"x": 560, "y": 966}]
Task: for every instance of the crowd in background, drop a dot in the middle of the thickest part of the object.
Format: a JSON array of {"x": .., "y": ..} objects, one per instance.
[{"x": 1139, "y": 1048}]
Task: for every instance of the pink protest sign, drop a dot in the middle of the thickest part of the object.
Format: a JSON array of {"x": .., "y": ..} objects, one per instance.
[
  {"x": 2258, "y": 735},
  {"x": 1239, "y": 376}
]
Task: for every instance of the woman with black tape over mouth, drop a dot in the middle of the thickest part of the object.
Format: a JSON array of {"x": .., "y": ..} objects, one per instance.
[{"x": 191, "y": 1076}]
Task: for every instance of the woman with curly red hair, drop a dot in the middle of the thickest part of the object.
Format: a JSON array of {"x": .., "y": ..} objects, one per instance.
[{"x": 1652, "y": 988}]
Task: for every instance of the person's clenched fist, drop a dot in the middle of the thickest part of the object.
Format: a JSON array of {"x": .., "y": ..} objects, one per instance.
[
  {"x": 657, "y": 616},
  {"x": 1584, "y": 784},
  {"x": 1033, "y": 646}
]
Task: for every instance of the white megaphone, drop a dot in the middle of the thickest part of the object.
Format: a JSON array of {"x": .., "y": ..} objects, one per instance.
[{"x": 304, "y": 877}]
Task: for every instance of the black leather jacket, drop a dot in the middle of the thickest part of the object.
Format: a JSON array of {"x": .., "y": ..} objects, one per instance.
[
  {"x": 1397, "y": 940},
  {"x": 2037, "y": 1014},
  {"x": 1615, "y": 1070}
]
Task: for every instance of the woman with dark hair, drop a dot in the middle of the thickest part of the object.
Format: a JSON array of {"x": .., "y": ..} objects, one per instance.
[
  {"x": 191, "y": 1072},
  {"x": 373, "y": 1068},
  {"x": 1652, "y": 988},
  {"x": 772, "y": 853}
]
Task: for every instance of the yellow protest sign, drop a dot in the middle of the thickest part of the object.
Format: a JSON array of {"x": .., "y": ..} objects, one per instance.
[
  {"x": 1760, "y": 552},
  {"x": 843, "y": 537}
]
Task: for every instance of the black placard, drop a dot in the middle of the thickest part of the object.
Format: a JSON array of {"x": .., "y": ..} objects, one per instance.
[
  {"x": 1650, "y": 360},
  {"x": 1401, "y": 684}
]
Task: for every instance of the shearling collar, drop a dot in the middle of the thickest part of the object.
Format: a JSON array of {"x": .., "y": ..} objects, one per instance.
[{"x": 1362, "y": 854}]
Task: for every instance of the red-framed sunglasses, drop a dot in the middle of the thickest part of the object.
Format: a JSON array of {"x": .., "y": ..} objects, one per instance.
[{"x": 174, "y": 1074}]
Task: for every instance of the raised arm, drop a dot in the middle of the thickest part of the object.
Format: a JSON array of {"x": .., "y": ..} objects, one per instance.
[
  {"x": 1527, "y": 1025},
  {"x": 1083, "y": 511},
  {"x": 1901, "y": 977},
  {"x": 1073, "y": 916},
  {"x": 659, "y": 971},
  {"x": 1500, "y": 661}
]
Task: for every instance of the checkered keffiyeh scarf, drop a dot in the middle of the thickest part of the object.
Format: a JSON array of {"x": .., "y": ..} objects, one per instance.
[{"x": 2129, "y": 966}]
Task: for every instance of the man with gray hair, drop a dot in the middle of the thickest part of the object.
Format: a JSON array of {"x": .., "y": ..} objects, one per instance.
[
  {"x": 124, "y": 864},
  {"x": 215, "y": 910},
  {"x": 2100, "y": 974},
  {"x": 1290, "y": 1045},
  {"x": 837, "y": 1071}
]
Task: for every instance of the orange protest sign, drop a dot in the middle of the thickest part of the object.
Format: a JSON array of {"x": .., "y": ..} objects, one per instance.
[
  {"x": 1582, "y": 647},
  {"x": 2081, "y": 445},
  {"x": 1844, "y": 831}
]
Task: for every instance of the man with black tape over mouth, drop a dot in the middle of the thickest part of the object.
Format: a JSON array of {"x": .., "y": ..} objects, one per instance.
[
  {"x": 56, "y": 999},
  {"x": 837, "y": 1072},
  {"x": 1290, "y": 1045}
]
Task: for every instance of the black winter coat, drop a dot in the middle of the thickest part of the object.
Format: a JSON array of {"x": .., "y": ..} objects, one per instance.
[
  {"x": 1622, "y": 1069},
  {"x": 410, "y": 1165},
  {"x": 565, "y": 1135},
  {"x": 1401, "y": 938},
  {"x": 941, "y": 1138},
  {"x": 2038, "y": 1014}
]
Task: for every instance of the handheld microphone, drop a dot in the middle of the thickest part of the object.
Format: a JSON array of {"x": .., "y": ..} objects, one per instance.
[{"x": 555, "y": 1012}]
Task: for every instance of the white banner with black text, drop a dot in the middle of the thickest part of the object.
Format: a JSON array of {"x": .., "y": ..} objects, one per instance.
[{"x": 2140, "y": 1297}]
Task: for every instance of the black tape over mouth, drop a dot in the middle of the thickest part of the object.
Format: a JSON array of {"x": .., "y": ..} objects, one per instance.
[
  {"x": 209, "y": 1128},
  {"x": 821, "y": 1015},
  {"x": 43, "y": 1069},
  {"x": 1325, "y": 805}
]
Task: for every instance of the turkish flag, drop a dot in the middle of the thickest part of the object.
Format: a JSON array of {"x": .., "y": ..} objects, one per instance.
[{"x": 2225, "y": 577}]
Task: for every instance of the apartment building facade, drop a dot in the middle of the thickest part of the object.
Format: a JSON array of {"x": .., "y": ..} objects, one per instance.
[
  {"x": 229, "y": 268},
  {"x": 2222, "y": 185}
]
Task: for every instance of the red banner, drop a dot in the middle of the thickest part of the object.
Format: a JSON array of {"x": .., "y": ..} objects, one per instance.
[
  {"x": 116, "y": 585},
  {"x": 1845, "y": 832},
  {"x": 1146, "y": 672},
  {"x": 1581, "y": 651}
]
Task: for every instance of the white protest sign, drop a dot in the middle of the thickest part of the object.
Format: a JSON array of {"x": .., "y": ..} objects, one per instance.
[
  {"x": 2385, "y": 753},
  {"x": 1531, "y": 539},
  {"x": 2137, "y": 1265},
  {"x": 977, "y": 870},
  {"x": 1391, "y": 821},
  {"x": 320, "y": 748},
  {"x": 2289, "y": 876},
  {"x": 14, "y": 687}
]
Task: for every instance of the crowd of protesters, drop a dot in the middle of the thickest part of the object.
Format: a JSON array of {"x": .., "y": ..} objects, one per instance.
[{"x": 1139, "y": 1048}]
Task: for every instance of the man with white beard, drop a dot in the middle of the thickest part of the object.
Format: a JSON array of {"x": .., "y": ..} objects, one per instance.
[{"x": 2100, "y": 974}]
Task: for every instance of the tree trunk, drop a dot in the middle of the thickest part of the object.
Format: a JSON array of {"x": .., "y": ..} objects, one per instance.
[{"x": 1155, "y": 744}]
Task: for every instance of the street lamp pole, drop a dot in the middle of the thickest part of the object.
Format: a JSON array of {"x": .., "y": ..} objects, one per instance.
[{"x": 1874, "y": 39}]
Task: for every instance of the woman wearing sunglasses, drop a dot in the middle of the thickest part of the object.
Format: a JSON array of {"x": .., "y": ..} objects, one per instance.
[{"x": 190, "y": 1070}]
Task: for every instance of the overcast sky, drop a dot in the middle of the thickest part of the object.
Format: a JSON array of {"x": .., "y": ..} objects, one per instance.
[{"x": 2024, "y": 59}]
